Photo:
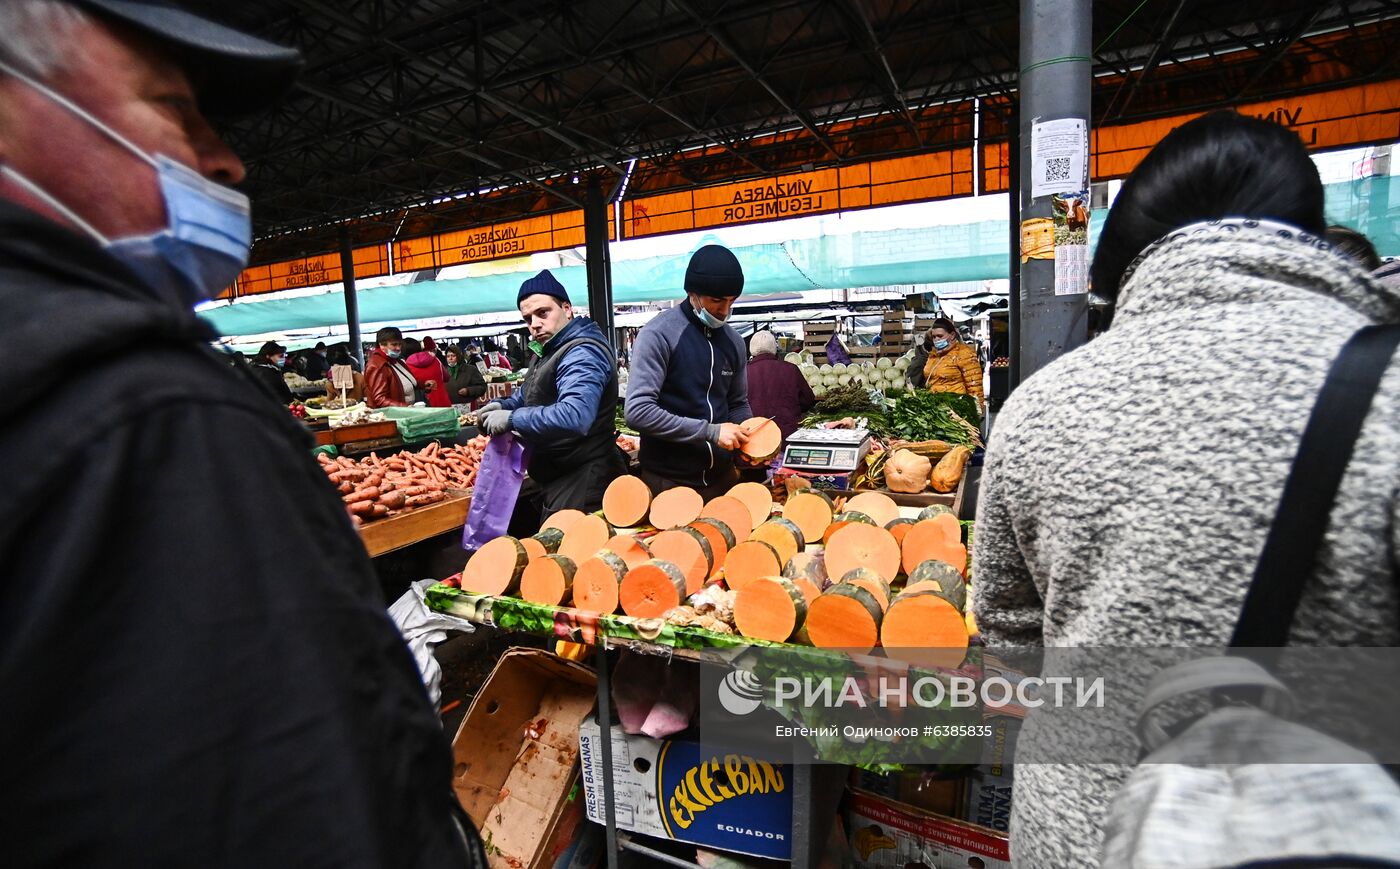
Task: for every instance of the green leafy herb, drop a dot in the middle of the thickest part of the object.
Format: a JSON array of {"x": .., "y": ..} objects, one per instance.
[
  {"x": 921, "y": 416},
  {"x": 962, "y": 404}
]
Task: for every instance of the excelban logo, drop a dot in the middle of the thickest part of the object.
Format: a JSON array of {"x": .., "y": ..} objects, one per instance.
[{"x": 740, "y": 692}]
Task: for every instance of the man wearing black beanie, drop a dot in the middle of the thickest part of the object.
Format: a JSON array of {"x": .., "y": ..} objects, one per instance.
[
  {"x": 688, "y": 388},
  {"x": 566, "y": 409}
]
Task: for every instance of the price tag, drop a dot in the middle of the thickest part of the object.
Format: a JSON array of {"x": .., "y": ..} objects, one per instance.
[{"x": 342, "y": 377}]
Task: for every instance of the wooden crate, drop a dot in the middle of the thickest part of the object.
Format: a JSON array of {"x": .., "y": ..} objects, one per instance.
[
  {"x": 396, "y": 532},
  {"x": 366, "y": 431},
  {"x": 815, "y": 337}
]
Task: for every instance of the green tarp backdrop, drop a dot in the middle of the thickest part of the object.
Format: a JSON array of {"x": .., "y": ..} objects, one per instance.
[{"x": 928, "y": 255}]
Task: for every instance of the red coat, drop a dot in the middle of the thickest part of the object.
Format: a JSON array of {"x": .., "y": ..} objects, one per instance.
[
  {"x": 425, "y": 367},
  {"x": 382, "y": 385}
]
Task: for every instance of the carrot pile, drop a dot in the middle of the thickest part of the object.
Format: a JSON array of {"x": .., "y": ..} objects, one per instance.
[
  {"x": 850, "y": 575},
  {"x": 376, "y": 488}
]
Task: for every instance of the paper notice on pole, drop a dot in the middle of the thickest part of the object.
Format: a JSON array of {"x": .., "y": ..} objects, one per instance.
[
  {"x": 1059, "y": 156},
  {"x": 1071, "y": 223}
]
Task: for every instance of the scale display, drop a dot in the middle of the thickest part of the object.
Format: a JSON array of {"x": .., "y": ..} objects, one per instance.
[{"x": 820, "y": 449}]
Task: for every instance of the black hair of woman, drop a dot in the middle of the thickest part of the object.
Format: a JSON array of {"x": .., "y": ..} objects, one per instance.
[
  {"x": 411, "y": 346},
  {"x": 1217, "y": 166}
]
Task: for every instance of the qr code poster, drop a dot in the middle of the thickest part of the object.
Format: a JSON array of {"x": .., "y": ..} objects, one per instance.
[{"x": 1059, "y": 151}]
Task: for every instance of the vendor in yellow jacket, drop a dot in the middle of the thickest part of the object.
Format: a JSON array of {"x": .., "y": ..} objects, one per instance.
[{"x": 942, "y": 363}]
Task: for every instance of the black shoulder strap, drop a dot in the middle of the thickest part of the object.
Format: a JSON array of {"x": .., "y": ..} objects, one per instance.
[{"x": 1290, "y": 551}]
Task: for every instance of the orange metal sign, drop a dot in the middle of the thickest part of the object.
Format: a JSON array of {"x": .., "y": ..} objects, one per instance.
[
  {"x": 370, "y": 262},
  {"x": 881, "y": 182},
  {"x": 1346, "y": 117},
  {"x": 497, "y": 241}
]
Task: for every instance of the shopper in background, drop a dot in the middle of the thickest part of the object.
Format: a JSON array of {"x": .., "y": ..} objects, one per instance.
[
  {"x": 268, "y": 366},
  {"x": 566, "y": 409},
  {"x": 1355, "y": 245},
  {"x": 1104, "y": 519},
  {"x": 493, "y": 357},
  {"x": 777, "y": 388},
  {"x": 430, "y": 374},
  {"x": 943, "y": 363},
  {"x": 432, "y": 347},
  {"x": 687, "y": 387},
  {"x": 388, "y": 382},
  {"x": 474, "y": 357},
  {"x": 196, "y": 668},
  {"x": 464, "y": 382},
  {"x": 515, "y": 352},
  {"x": 318, "y": 362}
]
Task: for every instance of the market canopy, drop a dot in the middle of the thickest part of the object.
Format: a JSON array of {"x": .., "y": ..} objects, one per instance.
[
  {"x": 966, "y": 252},
  {"x": 464, "y": 131}
]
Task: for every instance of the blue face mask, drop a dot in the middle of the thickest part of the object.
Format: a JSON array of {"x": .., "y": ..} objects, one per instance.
[
  {"x": 282, "y": 363},
  {"x": 204, "y": 244},
  {"x": 393, "y": 354},
  {"x": 707, "y": 318},
  {"x": 941, "y": 344}
]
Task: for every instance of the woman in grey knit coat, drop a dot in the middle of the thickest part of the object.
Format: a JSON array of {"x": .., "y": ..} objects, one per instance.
[{"x": 1129, "y": 485}]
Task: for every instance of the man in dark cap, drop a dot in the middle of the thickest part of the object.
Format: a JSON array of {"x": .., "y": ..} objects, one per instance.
[
  {"x": 196, "y": 667},
  {"x": 687, "y": 388},
  {"x": 566, "y": 408},
  {"x": 318, "y": 362}
]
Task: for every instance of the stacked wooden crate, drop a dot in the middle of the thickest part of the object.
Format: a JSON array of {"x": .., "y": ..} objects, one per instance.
[
  {"x": 895, "y": 333},
  {"x": 815, "y": 336}
]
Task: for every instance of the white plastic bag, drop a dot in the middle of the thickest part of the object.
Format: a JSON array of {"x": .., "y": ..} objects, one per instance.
[{"x": 422, "y": 630}]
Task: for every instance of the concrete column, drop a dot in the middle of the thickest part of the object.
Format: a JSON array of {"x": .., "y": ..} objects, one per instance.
[{"x": 1056, "y": 76}]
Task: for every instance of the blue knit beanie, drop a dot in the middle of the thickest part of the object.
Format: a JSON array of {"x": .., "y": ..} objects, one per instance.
[
  {"x": 714, "y": 271},
  {"x": 543, "y": 284}
]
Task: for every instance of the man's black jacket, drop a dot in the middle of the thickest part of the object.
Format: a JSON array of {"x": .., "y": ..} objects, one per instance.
[{"x": 196, "y": 666}]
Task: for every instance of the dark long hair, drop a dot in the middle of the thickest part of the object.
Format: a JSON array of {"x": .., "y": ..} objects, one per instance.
[{"x": 1219, "y": 165}]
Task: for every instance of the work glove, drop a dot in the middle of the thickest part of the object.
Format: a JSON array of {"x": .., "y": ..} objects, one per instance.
[
  {"x": 496, "y": 422},
  {"x": 487, "y": 408}
]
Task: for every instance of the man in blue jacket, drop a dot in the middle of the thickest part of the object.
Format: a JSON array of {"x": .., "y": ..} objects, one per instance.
[
  {"x": 687, "y": 387},
  {"x": 566, "y": 409}
]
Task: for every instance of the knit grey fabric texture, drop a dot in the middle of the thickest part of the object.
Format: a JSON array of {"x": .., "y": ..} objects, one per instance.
[{"x": 1129, "y": 485}]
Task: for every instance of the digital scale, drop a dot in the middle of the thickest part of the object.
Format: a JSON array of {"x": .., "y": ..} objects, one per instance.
[{"x": 827, "y": 450}]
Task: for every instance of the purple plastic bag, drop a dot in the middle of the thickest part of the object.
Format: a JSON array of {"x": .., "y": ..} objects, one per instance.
[
  {"x": 498, "y": 481},
  {"x": 836, "y": 352}
]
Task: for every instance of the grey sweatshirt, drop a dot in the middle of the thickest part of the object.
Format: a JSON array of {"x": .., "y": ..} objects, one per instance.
[
  {"x": 685, "y": 379},
  {"x": 1129, "y": 485}
]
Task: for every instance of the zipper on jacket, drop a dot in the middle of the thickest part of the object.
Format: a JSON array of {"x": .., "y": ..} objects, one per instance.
[{"x": 704, "y": 480}]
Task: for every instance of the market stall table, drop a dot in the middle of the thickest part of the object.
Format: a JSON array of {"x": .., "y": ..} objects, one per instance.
[
  {"x": 817, "y": 788},
  {"x": 396, "y": 532}
]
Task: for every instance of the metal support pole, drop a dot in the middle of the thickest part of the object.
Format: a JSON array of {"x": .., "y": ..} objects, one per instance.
[
  {"x": 596, "y": 221},
  {"x": 1056, "y": 74},
  {"x": 1013, "y": 294},
  {"x": 352, "y": 301},
  {"x": 605, "y": 734}
]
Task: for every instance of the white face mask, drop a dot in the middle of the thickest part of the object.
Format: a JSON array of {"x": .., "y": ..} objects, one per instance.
[
  {"x": 204, "y": 245},
  {"x": 707, "y": 318}
]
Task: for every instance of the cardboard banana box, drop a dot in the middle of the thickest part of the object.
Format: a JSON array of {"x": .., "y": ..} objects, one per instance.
[{"x": 888, "y": 835}]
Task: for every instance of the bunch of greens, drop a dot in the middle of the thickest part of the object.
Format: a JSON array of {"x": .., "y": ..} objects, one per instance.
[
  {"x": 620, "y": 423},
  {"x": 849, "y": 400},
  {"x": 922, "y": 416},
  {"x": 962, "y": 404}
]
